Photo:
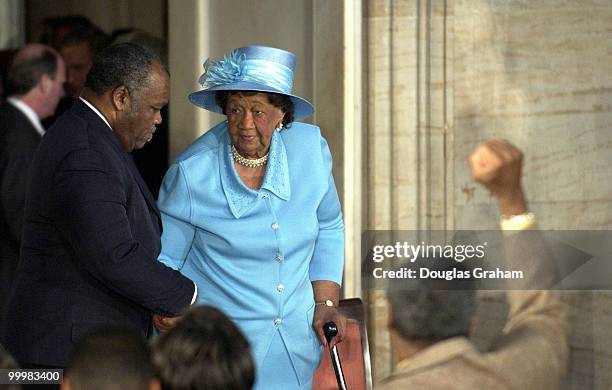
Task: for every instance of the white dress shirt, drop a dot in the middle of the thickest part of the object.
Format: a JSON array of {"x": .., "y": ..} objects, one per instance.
[{"x": 94, "y": 109}]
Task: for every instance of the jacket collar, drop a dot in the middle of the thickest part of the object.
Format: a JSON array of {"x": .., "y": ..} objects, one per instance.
[
  {"x": 96, "y": 111},
  {"x": 239, "y": 197},
  {"x": 28, "y": 113}
]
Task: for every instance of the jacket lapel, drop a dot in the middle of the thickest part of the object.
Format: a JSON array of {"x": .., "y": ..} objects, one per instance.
[{"x": 142, "y": 185}]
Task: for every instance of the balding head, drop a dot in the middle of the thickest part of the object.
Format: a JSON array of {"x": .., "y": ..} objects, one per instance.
[
  {"x": 36, "y": 75},
  {"x": 29, "y": 65},
  {"x": 31, "y": 52}
]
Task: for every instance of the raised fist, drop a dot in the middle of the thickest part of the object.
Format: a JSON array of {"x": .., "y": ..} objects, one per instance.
[{"x": 496, "y": 164}]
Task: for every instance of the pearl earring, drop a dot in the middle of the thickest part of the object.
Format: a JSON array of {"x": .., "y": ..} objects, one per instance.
[{"x": 279, "y": 127}]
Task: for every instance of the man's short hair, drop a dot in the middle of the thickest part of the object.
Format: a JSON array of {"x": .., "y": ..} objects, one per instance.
[
  {"x": 55, "y": 28},
  {"x": 126, "y": 64},
  {"x": 204, "y": 351},
  {"x": 24, "y": 74},
  {"x": 93, "y": 36},
  {"x": 432, "y": 310},
  {"x": 111, "y": 358}
]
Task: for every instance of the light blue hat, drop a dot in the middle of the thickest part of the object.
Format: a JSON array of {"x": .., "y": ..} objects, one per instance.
[{"x": 250, "y": 68}]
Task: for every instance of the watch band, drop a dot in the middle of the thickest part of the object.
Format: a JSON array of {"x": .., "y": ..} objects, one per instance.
[{"x": 326, "y": 302}]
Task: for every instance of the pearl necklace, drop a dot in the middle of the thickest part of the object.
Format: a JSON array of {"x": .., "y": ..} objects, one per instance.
[{"x": 249, "y": 163}]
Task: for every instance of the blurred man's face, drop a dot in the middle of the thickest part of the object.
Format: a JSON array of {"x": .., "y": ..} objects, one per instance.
[{"x": 78, "y": 59}]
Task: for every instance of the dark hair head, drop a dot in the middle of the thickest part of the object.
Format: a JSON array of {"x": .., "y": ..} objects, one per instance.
[
  {"x": 57, "y": 29},
  {"x": 93, "y": 36},
  {"x": 28, "y": 67},
  {"x": 432, "y": 310},
  {"x": 204, "y": 351},
  {"x": 111, "y": 358},
  {"x": 127, "y": 64},
  {"x": 276, "y": 99}
]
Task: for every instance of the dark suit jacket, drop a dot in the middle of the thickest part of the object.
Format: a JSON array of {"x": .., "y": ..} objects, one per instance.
[
  {"x": 18, "y": 142},
  {"x": 91, "y": 238}
]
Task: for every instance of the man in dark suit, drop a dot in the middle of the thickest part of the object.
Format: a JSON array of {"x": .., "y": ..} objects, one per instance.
[
  {"x": 35, "y": 84},
  {"x": 92, "y": 229},
  {"x": 78, "y": 41}
]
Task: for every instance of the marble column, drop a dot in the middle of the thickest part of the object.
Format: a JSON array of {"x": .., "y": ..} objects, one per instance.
[{"x": 12, "y": 24}]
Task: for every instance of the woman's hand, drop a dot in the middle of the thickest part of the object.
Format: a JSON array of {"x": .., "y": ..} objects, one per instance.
[
  {"x": 163, "y": 324},
  {"x": 325, "y": 290},
  {"x": 324, "y": 314}
]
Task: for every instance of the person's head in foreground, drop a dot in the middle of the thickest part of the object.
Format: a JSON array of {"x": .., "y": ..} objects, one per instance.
[
  {"x": 251, "y": 86},
  {"x": 204, "y": 351},
  {"x": 130, "y": 86},
  {"x": 110, "y": 359},
  {"x": 7, "y": 363},
  {"x": 36, "y": 76},
  {"x": 423, "y": 312}
]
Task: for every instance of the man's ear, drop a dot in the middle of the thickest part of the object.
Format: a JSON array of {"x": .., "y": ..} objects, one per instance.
[
  {"x": 120, "y": 98},
  {"x": 45, "y": 83}
]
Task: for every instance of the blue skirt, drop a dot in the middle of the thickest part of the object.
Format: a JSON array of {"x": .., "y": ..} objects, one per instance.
[{"x": 277, "y": 371}]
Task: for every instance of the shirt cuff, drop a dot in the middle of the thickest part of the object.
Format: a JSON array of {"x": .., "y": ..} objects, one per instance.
[
  {"x": 195, "y": 294},
  {"x": 517, "y": 222}
]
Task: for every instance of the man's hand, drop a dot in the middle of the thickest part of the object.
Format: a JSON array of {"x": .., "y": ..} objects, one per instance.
[
  {"x": 164, "y": 324},
  {"x": 496, "y": 164},
  {"x": 325, "y": 314}
]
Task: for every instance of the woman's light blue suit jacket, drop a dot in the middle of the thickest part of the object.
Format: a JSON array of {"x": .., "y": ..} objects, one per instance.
[{"x": 254, "y": 254}]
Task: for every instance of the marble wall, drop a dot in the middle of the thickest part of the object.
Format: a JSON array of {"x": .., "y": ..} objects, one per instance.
[
  {"x": 444, "y": 75},
  {"x": 539, "y": 74}
]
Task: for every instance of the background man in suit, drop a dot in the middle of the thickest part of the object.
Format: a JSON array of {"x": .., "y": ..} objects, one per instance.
[
  {"x": 91, "y": 232},
  {"x": 35, "y": 85},
  {"x": 78, "y": 41},
  {"x": 429, "y": 327},
  {"x": 78, "y": 49}
]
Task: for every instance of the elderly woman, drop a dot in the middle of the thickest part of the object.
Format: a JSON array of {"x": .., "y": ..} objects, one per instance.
[{"x": 251, "y": 214}]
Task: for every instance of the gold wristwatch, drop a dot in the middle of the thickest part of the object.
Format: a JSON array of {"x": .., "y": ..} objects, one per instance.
[{"x": 327, "y": 303}]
